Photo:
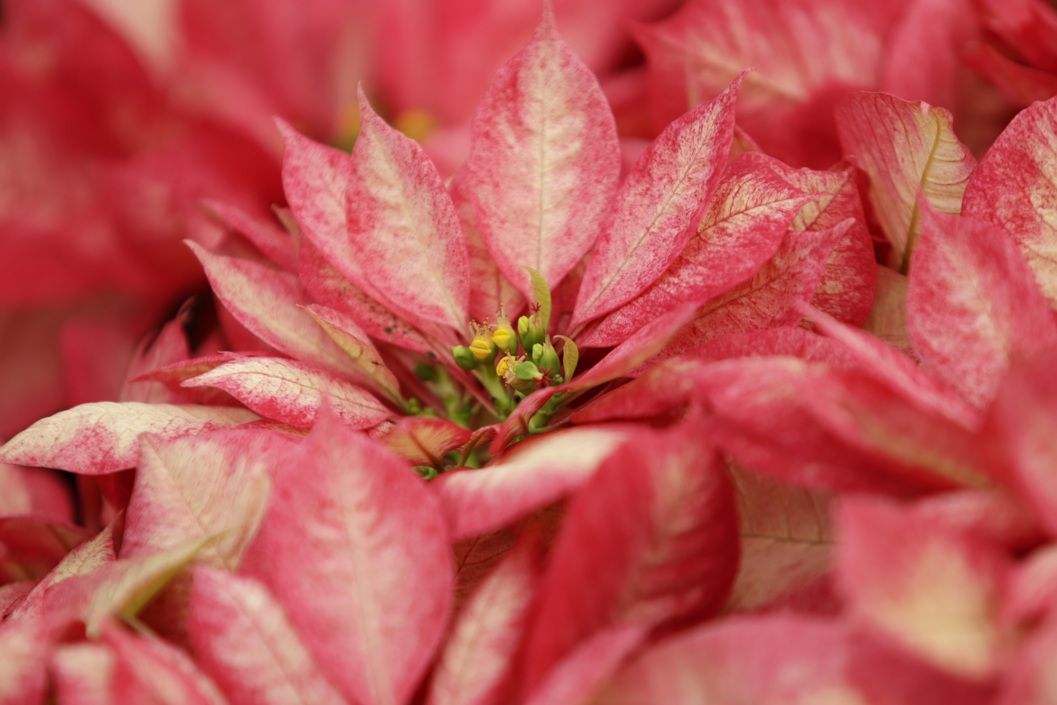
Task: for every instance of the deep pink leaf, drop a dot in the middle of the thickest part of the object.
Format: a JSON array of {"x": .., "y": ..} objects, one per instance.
[
  {"x": 104, "y": 437},
  {"x": 530, "y": 475},
  {"x": 293, "y": 392},
  {"x": 1019, "y": 428},
  {"x": 356, "y": 551},
  {"x": 1014, "y": 185},
  {"x": 742, "y": 228},
  {"x": 904, "y": 148},
  {"x": 403, "y": 227},
  {"x": 277, "y": 245},
  {"x": 544, "y": 161},
  {"x": 658, "y": 207},
  {"x": 973, "y": 304},
  {"x": 479, "y": 653},
  {"x": 584, "y": 671},
  {"x": 422, "y": 440},
  {"x": 190, "y": 489},
  {"x": 931, "y": 590},
  {"x": 242, "y": 638},
  {"x": 31, "y": 547},
  {"x": 650, "y": 539}
]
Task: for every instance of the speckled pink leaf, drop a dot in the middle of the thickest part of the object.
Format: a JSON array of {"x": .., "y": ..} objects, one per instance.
[
  {"x": 490, "y": 290},
  {"x": 104, "y": 437},
  {"x": 356, "y": 551},
  {"x": 530, "y": 475},
  {"x": 242, "y": 638},
  {"x": 650, "y": 539},
  {"x": 972, "y": 305},
  {"x": 268, "y": 303},
  {"x": 479, "y": 653},
  {"x": 544, "y": 161},
  {"x": 403, "y": 227},
  {"x": 217, "y": 484},
  {"x": 742, "y": 228},
  {"x": 329, "y": 287},
  {"x": 933, "y": 591},
  {"x": 1015, "y": 186},
  {"x": 277, "y": 245},
  {"x": 658, "y": 207},
  {"x": 904, "y": 148},
  {"x": 292, "y": 392},
  {"x": 768, "y": 299},
  {"x": 850, "y": 277},
  {"x": 357, "y": 345}
]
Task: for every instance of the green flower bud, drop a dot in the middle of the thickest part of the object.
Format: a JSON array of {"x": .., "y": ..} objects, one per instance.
[
  {"x": 464, "y": 358},
  {"x": 531, "y": 332}
]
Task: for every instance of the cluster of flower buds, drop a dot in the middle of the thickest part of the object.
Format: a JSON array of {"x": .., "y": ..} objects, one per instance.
[{"x": 523, "y": 360}]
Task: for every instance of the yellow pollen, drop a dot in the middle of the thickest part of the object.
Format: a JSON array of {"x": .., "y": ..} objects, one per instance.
[
  {"x": 481, "y": 348},
  {"x": 505, "y": 366},
  {"x": 502, "y": 339}
]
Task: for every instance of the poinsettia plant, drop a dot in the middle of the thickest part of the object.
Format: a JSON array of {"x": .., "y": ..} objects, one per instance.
[{"x": 558, "y": 431}]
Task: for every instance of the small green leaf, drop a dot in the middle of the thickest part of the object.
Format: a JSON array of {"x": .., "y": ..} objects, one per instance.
[
  {"x": 570, "y": 356},
  {"x": 542, "y": 293}
]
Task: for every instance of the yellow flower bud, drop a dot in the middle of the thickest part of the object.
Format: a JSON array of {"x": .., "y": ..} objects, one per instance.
[
  {"x": 504, "y": 338},
  {"x": 505, "y": 366}
]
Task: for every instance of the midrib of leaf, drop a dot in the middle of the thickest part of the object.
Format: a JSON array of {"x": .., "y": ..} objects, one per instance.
[
  {"x": 914, "y": 230},
  {"x": 303, "y": 385},
  {"x": 540, "y": 89},
  {"x": 360, "y": 559}
]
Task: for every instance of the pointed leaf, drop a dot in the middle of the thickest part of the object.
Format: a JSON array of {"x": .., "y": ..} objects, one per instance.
[
  {"x": 544, "y": 160},
  {"x": 130, "y": 584},
  {"x": 479, "y": 653},
  {"x": 191, "y": 489},
  {"x": 356, "y": 551},
  {"x": 268, "y": 303},
  {"x": 541, "y": 296},
  {"x": 422, "y": 440},
  {"x": 104, "y": 437},
  {"x": 242, "y": 638},
  {"x": 292, "y": 392},
  {"x": 402, "y": 221},
  {"x": 658, "y": 207},
  {"x": 651, "y": 539},
  {"x": 151, "y": 670},
  {"x": 1015, "y": 186},
  {"x": 848, "y": 283},
  {"x": 530, "y": 475},
  {"x": 490, "y": 290},
  {"x": 768, "y": 299},
  {"x": 743, "y": 227},
  {"x": 973, "y": 305},
  {"x": 904, "y": 147},
  {"x": 356, "y": 345}
]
